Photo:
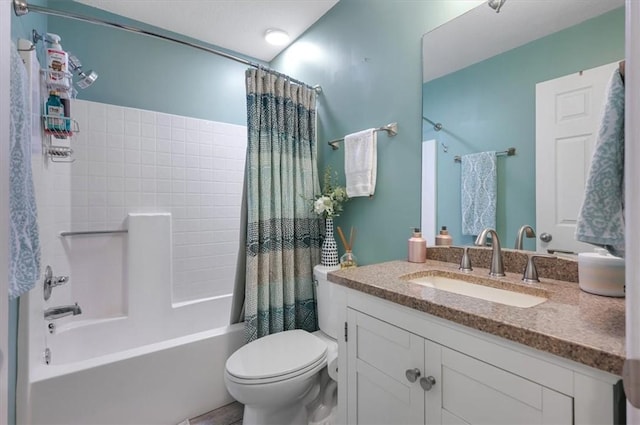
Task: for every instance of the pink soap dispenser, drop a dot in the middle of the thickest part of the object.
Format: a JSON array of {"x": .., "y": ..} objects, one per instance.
[{"x": 417, "y": 247}]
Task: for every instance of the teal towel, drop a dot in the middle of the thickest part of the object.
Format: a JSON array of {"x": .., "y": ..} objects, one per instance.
[
  {"x": 601, "y": 218},
  {"x": 24, "y": 263},
  {"x": 478, "y": 192}
]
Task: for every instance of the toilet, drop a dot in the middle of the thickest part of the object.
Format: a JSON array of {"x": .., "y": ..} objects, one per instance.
[{"x": 282, "y": 378}]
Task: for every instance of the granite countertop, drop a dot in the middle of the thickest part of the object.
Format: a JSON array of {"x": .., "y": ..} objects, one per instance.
[{"x": 573, "y": 324}]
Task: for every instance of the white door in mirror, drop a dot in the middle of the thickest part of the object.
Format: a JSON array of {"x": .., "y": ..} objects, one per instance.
[{"x": 568, "y": 113}]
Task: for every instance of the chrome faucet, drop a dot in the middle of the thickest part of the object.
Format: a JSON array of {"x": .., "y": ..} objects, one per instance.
[
  {"x": 526, "y": 229},
  {"x": 497, "y": 267},
  {"x": 62, "y": 311}
]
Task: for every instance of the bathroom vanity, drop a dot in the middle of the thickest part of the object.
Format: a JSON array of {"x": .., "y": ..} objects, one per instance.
[{"x": 415, "y": 354}]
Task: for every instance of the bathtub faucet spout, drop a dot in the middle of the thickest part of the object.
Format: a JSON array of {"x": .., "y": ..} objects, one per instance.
[{"x": 62, "y": 311}]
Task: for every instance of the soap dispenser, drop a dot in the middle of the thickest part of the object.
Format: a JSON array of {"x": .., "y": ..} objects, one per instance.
[
  {"x": 417, "y": 247},
  {"x": 444, "y": 238}
]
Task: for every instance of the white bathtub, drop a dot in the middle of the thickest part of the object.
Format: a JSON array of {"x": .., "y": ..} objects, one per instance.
[
  {"x": 157, "y": 362},
  {"x": 162, "y": 383}
]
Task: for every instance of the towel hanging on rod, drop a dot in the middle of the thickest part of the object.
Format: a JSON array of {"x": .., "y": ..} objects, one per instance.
[
  {"x": 391, "y": 129},
  {"x": 508, "y": 152}
]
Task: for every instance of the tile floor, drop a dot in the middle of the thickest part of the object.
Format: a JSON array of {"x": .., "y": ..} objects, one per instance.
[{"x": 231, "y": 414}]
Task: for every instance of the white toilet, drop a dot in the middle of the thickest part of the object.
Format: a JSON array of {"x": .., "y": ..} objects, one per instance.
[{"x": 277, "y": 377}]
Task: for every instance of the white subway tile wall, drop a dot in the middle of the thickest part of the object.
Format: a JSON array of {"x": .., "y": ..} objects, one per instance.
[{"x": 130, "y": 160}]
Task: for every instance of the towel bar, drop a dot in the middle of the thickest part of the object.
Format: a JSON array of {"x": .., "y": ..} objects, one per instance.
[
  {"x": 93, "y": 232},
  {"x": 391, "y": 129},
  {"x": 508, "y": 152}
]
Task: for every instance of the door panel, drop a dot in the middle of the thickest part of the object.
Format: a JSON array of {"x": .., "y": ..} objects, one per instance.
[
  {"x": 379, "y": 402},
  {"x": 451, "y": 419},
  {"x": 568, "y": 113},
  {"x": 476, "y": 402},
  {"x": 378, "y": 342},
  {"x": 490, "y": 376},
  {"x": 479, "y": 393},
  {"x": 558, "y": 408},
  {"x": 378, "y": 356}
]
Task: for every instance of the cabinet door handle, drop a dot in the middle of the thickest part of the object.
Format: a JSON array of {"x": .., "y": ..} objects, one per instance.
[
  {"x": 427, "y": 382},
  {"x": 412, "y": 374}
]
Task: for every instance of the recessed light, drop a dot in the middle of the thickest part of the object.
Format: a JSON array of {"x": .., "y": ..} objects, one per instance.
[{"x": 276, "y": 37}]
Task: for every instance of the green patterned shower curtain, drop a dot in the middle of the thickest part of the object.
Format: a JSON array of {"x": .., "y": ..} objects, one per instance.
[{"x": 283, "y": 234}]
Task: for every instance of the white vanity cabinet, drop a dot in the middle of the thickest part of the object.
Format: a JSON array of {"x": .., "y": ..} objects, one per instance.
[{"x": 407, "y": 367}]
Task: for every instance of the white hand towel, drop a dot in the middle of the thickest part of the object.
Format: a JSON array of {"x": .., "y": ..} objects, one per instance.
[{"x": 360, "y": 162}]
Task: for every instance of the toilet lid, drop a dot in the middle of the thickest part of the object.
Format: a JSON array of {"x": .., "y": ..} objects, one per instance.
[{"x": 276, "y": 355}]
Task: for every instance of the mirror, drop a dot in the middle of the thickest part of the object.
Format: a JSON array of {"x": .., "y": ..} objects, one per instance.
[{"x": 480, "y": 72}]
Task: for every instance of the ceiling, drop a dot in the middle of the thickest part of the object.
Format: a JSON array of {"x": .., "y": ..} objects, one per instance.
[{"x": 237, "y": 25}]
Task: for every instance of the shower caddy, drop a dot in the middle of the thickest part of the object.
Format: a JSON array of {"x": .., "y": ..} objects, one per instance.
[
  {"x": 57, "y": 151},
  {"x": 61, "y": 82}
]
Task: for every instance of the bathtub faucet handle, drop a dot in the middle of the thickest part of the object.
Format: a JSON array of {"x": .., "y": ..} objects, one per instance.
[
  {"x": 51, "y": 281},
  {"x": 59, "y": 280}
]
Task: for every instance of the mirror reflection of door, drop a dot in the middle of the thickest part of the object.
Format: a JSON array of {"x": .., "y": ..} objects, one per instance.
[
  {"x": 568, "y": 113},
  {"x": 487, "y": 103}
]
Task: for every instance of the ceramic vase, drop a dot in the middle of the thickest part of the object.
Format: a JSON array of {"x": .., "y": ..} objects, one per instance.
[{"x": 329, "y": 253}]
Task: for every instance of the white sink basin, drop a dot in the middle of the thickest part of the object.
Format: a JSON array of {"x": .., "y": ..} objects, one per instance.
[{"x": 475, "y": 290}]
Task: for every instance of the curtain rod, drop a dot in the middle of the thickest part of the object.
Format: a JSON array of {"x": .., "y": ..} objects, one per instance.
[
  {"x": 436, "y": 125},
  {"x": 21, "y": 8}
]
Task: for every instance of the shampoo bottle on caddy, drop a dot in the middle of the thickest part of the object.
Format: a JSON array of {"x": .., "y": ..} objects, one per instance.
[
  {"x": 417, "y": 247},
  {"x": 57, "y": 62}
]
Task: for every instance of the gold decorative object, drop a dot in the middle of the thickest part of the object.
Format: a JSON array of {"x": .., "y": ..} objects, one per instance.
[{"x": 348, "y": 259}]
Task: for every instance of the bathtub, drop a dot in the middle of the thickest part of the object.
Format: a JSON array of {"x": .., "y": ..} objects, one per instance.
[{"x": 150, "y": 361}]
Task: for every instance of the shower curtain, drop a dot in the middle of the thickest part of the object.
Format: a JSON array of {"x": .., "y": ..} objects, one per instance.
[{"x": 282, "y": 234}]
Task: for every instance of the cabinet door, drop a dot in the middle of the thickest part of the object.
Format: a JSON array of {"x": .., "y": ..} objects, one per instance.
[
  {"x": 379, "y": 355},
  {"x": 474, "y": 392}
]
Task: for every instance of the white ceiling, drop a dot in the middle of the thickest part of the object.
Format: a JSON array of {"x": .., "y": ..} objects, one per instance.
[
  {"x": 237, "y": 25},
  {"x": 482, "y": 33}
]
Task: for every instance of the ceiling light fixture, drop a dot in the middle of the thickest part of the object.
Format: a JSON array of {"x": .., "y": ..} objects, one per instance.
[{"x": 276, "y": 37}]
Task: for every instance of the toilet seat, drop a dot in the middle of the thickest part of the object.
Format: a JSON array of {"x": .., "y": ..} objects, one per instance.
[{"x": 277, "y": 357}]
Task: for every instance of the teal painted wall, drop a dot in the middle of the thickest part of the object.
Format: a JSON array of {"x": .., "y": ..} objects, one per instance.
[
  {"x": 366, "y": 55},
  {"x": 491, "y": 106},
  {"x": 20, "y": 28},
  {"x": 143, "y": 72}
]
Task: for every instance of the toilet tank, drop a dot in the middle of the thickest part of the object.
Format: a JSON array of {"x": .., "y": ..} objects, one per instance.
[{"x": 326, "y": 300}]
